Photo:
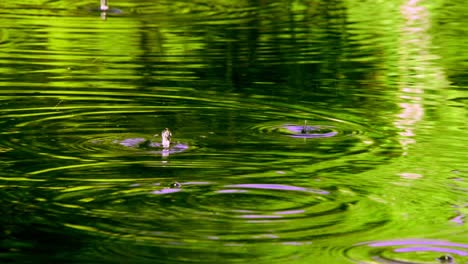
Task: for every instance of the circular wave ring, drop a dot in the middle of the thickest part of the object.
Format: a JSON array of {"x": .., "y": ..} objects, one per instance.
[
  {"x": 311, "y": 130},
  {"x": 138, "y": 143},
  {"x": 407, "y": 250}
]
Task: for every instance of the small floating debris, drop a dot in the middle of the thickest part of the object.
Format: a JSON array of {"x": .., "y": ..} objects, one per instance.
[
  {"x": 173, "y": 188},
  {"x": 307, "y": 131},
  {"x": 176, "y": 185},
  {"x": 446, "y": 259}
]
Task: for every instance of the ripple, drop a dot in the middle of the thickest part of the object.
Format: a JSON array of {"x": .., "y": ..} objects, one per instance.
[
  {"x": 83, "y": 132},
  {"x": 130, "y": 143},
  {"x": 409, "y": 251},
  {"x": 241, "y": 201},
  {"x": 283, "y": 208},
  {"x": 322, "y": 138},
  {"x": 4, "y": 37},
  {"x": 315, "y": 129},
  {"x": 248, "y": 180},
  {"x": 231, "y": 216}
]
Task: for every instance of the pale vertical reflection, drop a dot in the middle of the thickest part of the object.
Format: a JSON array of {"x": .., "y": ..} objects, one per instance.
[
  {"x": 104, "y": 7},
  {"x": 417, "y": 64}
]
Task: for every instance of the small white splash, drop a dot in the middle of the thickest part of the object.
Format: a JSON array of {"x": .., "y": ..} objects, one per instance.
[{"x": 166, "y": 138}]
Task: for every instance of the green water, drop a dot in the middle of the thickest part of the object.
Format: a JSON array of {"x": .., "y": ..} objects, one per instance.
[{"x": 303, "y": 132}]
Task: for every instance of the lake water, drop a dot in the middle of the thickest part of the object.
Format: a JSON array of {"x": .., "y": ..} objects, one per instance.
[{"x": 302, "y": 131}]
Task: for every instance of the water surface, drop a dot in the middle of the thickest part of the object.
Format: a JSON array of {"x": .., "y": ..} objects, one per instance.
[{"x": 303, "y": 132}]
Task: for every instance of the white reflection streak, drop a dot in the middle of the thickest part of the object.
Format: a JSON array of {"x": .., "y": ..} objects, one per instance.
[
  {"x": 413, "y": 57},
  {"x": 104, "y": 7}
]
